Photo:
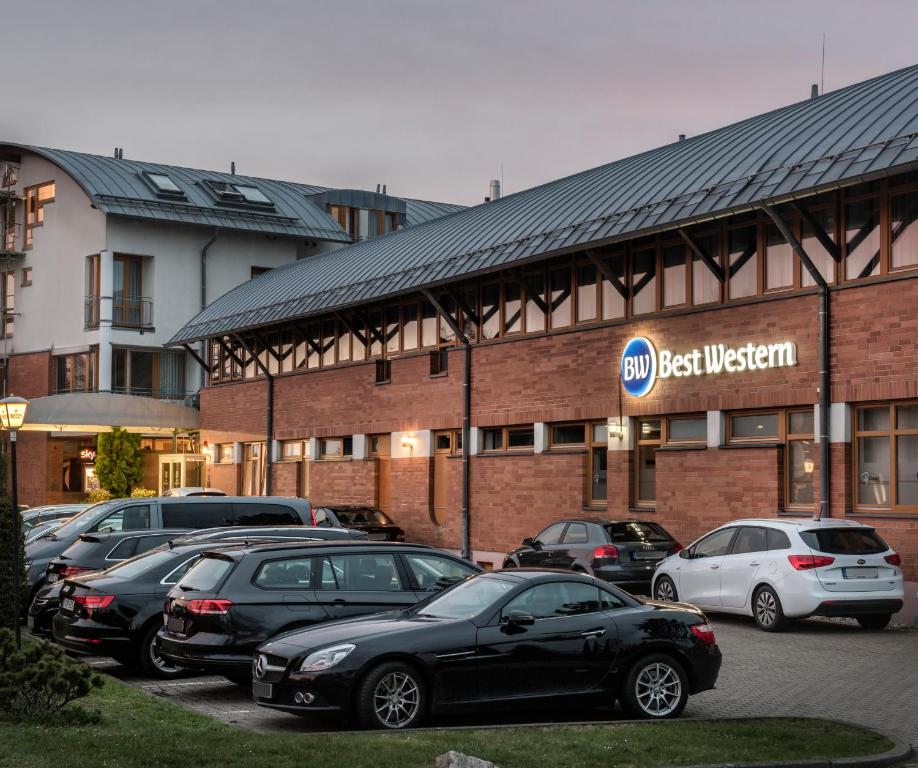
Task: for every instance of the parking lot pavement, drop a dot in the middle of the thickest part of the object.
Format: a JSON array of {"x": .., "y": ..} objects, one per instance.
[{"x": 819, "y": 668}]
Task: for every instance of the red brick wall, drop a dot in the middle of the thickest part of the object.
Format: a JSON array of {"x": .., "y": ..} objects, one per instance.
[
  {"x": 411, "y": 502},
  {"x": 225, "y": 477},
  {"x": 342, "y": 482},
  {"x": 285, "y": 478}
]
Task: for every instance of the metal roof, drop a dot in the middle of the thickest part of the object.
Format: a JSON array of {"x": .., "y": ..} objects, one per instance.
[
  {"x": 118, "y": 186},
  {"x": 838, "y": 138}
]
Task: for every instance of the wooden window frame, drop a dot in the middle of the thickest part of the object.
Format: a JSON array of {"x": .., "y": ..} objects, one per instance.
[
  {"x": 791, "y": 437},
  {"x": 505, "y": 439},
  {"x": 851, "y": 196},
  {"x": 221, "y": 451},
  {"x": 345, "y": 456},
  {"x": 592, "y": 444},
  {"x": 32, "y": 203},
  {"x": 687, "y": 264},
  {"x": 284, "y": 458},
  {"x": 768, "y": 439},
  {"x": 639, "y": 442},
  {"x": 897, "y": 191},
  {"x": 666, "y": 429},
  {"x": 554, "y": 445},
  {"x": 891, "y": 434}
]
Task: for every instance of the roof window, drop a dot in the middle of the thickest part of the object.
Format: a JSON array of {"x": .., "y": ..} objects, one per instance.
[
  {"x": 246, "y": 194},
  {"x": 163, "y": 185}
]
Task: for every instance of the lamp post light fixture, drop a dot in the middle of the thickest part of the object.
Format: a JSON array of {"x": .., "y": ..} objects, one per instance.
[{"x": 12, "y": 415}]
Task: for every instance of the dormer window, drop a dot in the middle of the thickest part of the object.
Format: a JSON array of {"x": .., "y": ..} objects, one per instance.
[
  {"x": 241, "y": 194},
  {"x": 164, "y": 186}
]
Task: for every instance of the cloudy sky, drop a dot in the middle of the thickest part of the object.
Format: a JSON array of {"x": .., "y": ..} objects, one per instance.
[{"x": 433, "y": 98}]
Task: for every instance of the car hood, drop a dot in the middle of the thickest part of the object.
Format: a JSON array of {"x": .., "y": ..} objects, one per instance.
[{"x": 365, "y": 628}]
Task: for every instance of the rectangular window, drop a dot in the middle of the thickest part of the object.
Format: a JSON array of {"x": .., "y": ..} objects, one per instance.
[
  {"x": 649, "y": 439},
  {"x": 314, "y": 346},
  {"x": 691, "y": 429},
  {"x": 26, "y": 276},
  {"x": 520, "y": 437},
  {"x": 329, "y": 341},
  {"x": 904, "y": 235},
  {"x": 492, "y": 439},
  {"x": 779, "y": 260},
  {"x": 705, "y": 285},
  {"x": 800, "y": 460},
  {"x": 568, "y": 434},
  {"x": 393, "y": 316},
  {"x": 561, "y": 297},
  {"x": 74, "y": 373},
  {"x": 376, "y": 333},
  {"x": 613, "y": 300},
  {"x": 447, "y": 335},
  {"x": 409, "y": 327},
  {"x": 644, "y": 282},
  {"x": 490, "y": 311},
  {"x": 429, "y": 336},
  {"x": 383, "y": 371},
  {"x": 597, "y": 464},
  {"x": 886, "y": 456},
  {"x": 149, "y": 373},
  {"x": 674, "y": 276},
  {"x": 223, "y": 453},
  {"x": 755, "y": 426},
  {"x": 332, "y": 448},
  {"x": 35, "y": 199},
  {"x": 8, "y": 304},
  {"x": 742, "y": 267},
  {"x": 862, "y": 238},
  {"x": 816, "y": 250},
  {"x": 513, "y": 309},
  {"x": 130, "y": 309},
  {"x": 536, "y": 308},
  {"x": 439, "y": 361},
  {"x": 507, "y": 438},
  {"x": 292, "y": 450},
  {"x": 587, "y": 293}
]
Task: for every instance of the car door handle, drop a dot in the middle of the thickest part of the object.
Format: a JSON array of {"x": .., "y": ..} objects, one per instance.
[
  {"x": 339, "y": 601},
  {"x": 593, "y": 633},
  {"x": 714, "y": 567},
  {"x": 753, "y": 564}
]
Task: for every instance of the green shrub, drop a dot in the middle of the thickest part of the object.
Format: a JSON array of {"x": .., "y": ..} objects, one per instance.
[
  {"x": 7, "y": 526},
  {"x": 143, "y": 493},
  {"x": 98, "y": 494},
  {"x": 39, "y": 681},
  {"x": 119, "y": 461}
]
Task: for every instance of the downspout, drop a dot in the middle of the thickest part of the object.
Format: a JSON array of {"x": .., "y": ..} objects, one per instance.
[
  {"x": 825, "y": 398},
  {"x": 464, "y": 537},
  {"x": 204, "y": 251}
]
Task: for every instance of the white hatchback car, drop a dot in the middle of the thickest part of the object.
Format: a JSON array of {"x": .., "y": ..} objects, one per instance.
[{"x": 779, "y": 569}]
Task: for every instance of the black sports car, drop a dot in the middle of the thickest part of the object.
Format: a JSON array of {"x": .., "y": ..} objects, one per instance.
[
  {"x": 375, "y": 523},
  {"x": 505, "y": 638}
]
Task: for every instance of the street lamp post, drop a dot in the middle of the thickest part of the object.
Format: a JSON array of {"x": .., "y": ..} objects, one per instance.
[{"x": 12, "y": 414}]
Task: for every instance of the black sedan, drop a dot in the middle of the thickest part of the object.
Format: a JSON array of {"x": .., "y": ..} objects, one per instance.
[
  {"x": 230, "y": 602},
  {"x": 375, "y": 523},
  {"x": 500, "y": 639},
  {"x": 624, "y": 553}
]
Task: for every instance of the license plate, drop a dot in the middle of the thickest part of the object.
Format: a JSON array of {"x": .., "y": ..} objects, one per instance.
[
  {"x": 67, "y": 604},
  {"x": 52, "y": 577},
  {"x": 262, "y": 690},
  {"x": 654, "y": 554},
  {"x": 175, "y": 625},
  {"x": 859, "y": 573}
]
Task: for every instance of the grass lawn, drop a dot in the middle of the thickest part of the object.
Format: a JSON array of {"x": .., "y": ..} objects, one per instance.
[{"x": 139, "y": 731}]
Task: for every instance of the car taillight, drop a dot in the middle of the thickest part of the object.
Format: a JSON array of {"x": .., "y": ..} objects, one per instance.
[
  {"x": 704, "y": 633},
  {"x": 208, "y": 607},
  {"x": 312, "y": 514},
  {"x": 72, "y": 570},
  {"x": 893, "y": 559},
  {"x": 606, "y": 551},
  {"x": 678, "y": 548},
  {"x": 808, "y": 562},
  {"x": 92, "y": 603}
]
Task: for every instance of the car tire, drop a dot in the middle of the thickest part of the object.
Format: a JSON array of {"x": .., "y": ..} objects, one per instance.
[
  {"x": 509, "y": 564},
  {"x": 392, "y": 696},
  {"x": 874, "y": 621},
  {"x": 665, "y": 589},
  {"x": 767, "y": 611},
  {"x": 656, "y": 688},
  {"x": 150, "y": 662}
]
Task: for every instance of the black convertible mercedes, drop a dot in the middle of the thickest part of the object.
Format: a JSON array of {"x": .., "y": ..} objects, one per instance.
[{"x": 518, "y": 638}]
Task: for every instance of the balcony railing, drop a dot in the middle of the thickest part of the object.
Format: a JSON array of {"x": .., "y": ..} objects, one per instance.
[{"x": 127, "y": 312}]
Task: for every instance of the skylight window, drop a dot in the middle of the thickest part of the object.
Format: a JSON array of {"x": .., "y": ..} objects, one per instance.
[
  {"x": 163, "y": 185},
  {"x": 230, "y": 192}
]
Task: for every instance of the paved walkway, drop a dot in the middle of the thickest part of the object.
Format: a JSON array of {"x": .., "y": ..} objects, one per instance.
[{"x": 820, "y": 668}]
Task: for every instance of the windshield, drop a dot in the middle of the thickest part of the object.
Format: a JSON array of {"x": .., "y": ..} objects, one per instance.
[
  {"x": 84, "y": 520},
  {"x": 468, "y": 598},
  {"x": 362, "y": 515}
]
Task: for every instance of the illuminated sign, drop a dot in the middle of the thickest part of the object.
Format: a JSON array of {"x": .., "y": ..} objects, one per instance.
[
  {"x": 88, "y": 454},
  {"x": 642, "y": 365}
]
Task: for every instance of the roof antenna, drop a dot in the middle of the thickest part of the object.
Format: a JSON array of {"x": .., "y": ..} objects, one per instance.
[
  {"x": 233, "y": 168},
  {"x": 822, "y": 73}
]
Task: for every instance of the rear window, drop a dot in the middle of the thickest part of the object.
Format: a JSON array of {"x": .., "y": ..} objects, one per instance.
[
  {"x": 136, "y": 566},
  {"x": 362, "y": 515},
  {"x": 80, "y": 549},
  {"x": 845, "y": 541},
  {"x": 265, "y": 514},
  {"x": 636, "y": 532},
  {"x": 124, "y": 550},
  {"x": 196, "y": 514},
  {"x": 205, "y": 575}
]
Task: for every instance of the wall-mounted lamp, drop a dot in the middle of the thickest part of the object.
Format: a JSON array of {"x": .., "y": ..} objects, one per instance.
[
  {"x": 616, "y": 432},
  {"x": 408, "y": 443},
  {"x": 208, "y": 452}
]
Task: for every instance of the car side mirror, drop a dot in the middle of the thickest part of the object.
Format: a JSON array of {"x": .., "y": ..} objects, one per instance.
[
  {"x": 528, "y": 542},
  {"x": 517, "y": 619}
]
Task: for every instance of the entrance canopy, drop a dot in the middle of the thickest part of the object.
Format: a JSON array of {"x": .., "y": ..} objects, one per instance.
[{"x": 100, "y": 411}]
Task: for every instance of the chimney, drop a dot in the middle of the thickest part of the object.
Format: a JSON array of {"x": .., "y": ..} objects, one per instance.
[
  {"x": 377, "y": 189},
  {"x": 814, "y": 91},
  {"x": 494, "y": 189},
  {"x": 232, "y": 167},
  {"x": 384, "y": 189},
  {"x": 681, "y": 137}
]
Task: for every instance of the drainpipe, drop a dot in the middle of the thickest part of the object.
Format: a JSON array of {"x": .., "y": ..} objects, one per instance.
[
  {"x": 825, "y": 398},
  {"x": 204, "y": 251}
]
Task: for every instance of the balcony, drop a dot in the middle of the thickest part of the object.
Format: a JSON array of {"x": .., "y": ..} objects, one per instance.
[{"x": 127, "y": 312}]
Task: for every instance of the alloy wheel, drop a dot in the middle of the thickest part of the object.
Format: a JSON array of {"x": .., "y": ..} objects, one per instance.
[
  {"x": 159, "y": 662},
  {"x": 766, "y": 609},
  {"x": 658, "y": 689},
  {"x": 665, "y": 590},
  {"x": 396, "y": 700}
]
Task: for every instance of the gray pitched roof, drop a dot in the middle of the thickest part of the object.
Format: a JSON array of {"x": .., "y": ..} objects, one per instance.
[
  {"x": 841, "y": 137},
  {"x": 117, "y": 187}
]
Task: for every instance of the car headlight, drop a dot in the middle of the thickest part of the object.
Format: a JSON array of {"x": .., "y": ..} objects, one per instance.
[
  {"x": 28, "y": 565},
  {"x": 325, "y": 658}
]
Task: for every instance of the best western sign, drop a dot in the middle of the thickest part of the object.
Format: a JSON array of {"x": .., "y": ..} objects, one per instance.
[{"x": 642, "y": 365}]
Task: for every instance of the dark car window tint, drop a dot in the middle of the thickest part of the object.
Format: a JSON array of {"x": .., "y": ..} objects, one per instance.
[
  {"x": 196, "y": 515},
  {"x": 265, "y": 514},
  {"x": 361, "y": 515},
  {"x": 146, "y": 543},
  {"x": 320, "y": 518},
  {"x": 545, "y": 601},
  {"x": 295, "y": 573},
  {"x": 777, "y": 539},
  {"x": 610, "y": 602},
  {"x": 363, "y": 573},
  {"x": 715, "y": 545},
  {"x": 576, "y": 534},
  {"x": 128, "y": 569},
  {"x": 173, "y": 576},
  {"x": 432, "y": 572},
  {"x": 643, "y": 532},
  {"x": 206, "y": 574},
  {"x": 749, "y": 539},
  {"x": 845, "y": 541},
  {"x": 124, "y": 550},
  {"x": 80, "y": 549},
  {"x": 551, "y": 535},
  {"x": 133, "y": 518}
]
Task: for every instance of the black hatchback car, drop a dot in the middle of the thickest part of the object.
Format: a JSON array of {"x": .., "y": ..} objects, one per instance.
[
  {"x": 231, "y": 601},
  {"x": 624, "y": 553},
  {"x": 502, "y": 639}
]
